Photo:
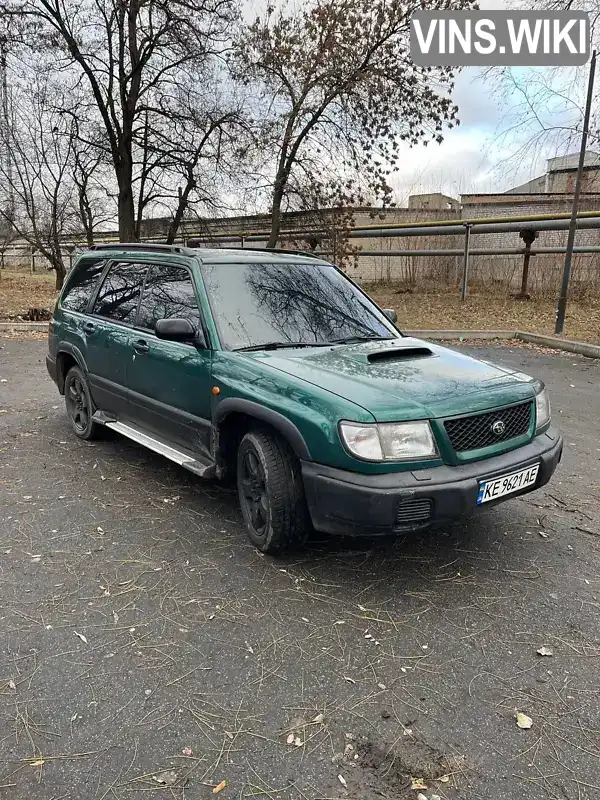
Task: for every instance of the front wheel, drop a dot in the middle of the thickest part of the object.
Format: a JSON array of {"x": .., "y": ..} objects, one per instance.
[
  {"x": 80, "y": 407},
  {"x": 271, "y": 493}
]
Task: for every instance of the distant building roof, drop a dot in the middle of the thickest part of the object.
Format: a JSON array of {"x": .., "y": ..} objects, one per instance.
[
  {"x": 571, "y": 161},
  {"x": 546, "y": 183}
]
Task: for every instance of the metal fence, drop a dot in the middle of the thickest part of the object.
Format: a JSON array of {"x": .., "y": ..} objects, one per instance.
[{"x": 528, "y": 228}]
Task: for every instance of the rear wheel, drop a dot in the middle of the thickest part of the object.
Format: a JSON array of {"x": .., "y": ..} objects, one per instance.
[
  {"x": 80, "y": 407},
  {"x": 271, "y": 493}
]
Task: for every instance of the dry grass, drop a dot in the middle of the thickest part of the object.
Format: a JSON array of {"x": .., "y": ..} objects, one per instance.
[
  {"x": 20, "y": 291},
  {"x": 430, "y": 308}
]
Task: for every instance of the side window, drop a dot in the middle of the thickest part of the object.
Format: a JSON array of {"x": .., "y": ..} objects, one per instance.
[
  {"x": 81, "y": 284},
  {"x": 119, "y": 294},
  {"x": 169, "y": 292}
]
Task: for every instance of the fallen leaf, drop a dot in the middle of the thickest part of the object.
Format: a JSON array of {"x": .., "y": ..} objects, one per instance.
[
  {"x": 382, "y": 686},
  {"x": 421, "y": 796},
  {"x": 81, "y": 636},
  {"x": 319, "y": 718},
  {"x": 167, "y": 778},
  {"x": 445, "y": 779},
  {"x": 37, "y": 763},
  {"x": 12, "y": 685},
  {"x": 219, "y": 787},
  {"x": 417, "y": 783},
  {"x": 545, "y": 651},
  {"x": 342, "y": 780},
  {"x": 523, "y": 721},
  {"x": 543, "y": 534},
  {"x": 350, "y": 680},
  {"x": 298, "y": 741},
  {"x": 290, "y": 739}
]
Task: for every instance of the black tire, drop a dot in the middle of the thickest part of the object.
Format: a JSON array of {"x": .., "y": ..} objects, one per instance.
[
  {"x": 271, "y": 493},
  {"x": 80, "y": 406}
]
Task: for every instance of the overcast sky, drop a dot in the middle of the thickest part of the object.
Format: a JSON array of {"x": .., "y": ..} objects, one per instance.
[{"x": 486, "y": 153}]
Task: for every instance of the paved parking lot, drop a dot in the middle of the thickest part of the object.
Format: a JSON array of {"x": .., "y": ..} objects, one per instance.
[{"x": 145, "y": 646}]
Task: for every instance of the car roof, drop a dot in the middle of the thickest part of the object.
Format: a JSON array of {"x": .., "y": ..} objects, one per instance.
[{"x": 209, "y": 255}]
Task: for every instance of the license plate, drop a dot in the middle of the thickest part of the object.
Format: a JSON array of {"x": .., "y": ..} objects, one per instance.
[{"x": 507, "y": 484}]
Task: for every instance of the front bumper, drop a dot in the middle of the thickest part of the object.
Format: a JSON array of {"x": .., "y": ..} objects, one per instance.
[{"x": 368, "y": 505}]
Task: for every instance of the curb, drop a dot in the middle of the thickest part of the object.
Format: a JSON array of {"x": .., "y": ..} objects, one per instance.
[
  {"x": 570, "y": 345},
  {"x": 554, "y": 342},
  {"x": 449, "y": 335},
  {"x": 23, "y": 326}
]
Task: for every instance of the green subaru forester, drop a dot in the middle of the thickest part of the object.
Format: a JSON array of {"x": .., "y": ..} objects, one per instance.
[{"x": 276, "y": 370}]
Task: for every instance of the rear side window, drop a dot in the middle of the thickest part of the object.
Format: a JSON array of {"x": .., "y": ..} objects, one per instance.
[
  {"x": 119, "y": 294},
  {"x": 81, "y": 284},
  {"x": 169, "y": 293}
]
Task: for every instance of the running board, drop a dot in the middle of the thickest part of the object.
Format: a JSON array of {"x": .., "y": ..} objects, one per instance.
[{"x": 190, "y": 462}]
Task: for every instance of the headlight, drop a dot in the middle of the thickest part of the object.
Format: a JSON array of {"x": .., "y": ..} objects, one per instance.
[
  {"x": 390, "y": 441},
  {"x": 542, "y": 409}
]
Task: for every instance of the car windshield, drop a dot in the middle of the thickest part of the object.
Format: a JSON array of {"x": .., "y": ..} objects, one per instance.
[{"x": 284, "y": 304}]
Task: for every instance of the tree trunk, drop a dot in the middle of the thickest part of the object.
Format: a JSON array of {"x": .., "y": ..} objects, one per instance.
[
  {"x": 184, "y": 197},
  {"x": 276, "y": 214},
  {"x": 126, "y": 207},
  {"x": 60, "y": 272}
]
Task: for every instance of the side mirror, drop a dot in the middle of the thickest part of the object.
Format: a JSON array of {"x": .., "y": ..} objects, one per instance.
[
  {"x": 179, "y": 330},
  {"x": 391, "y": 314}
]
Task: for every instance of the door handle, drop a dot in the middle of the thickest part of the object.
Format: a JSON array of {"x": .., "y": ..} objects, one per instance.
[
  {"x": 88, "y": 327},
  {"x": 141, "y": 346}
]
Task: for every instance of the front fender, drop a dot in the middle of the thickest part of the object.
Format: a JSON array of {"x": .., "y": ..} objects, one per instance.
[
  {"x": 306, "y": 415},
  {"x": 282, "y": 424}
]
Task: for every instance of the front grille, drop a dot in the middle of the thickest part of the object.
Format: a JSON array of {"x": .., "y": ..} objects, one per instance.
[
  {"x": 413, "y": 511},
  {"x": 471, "y": 433}
]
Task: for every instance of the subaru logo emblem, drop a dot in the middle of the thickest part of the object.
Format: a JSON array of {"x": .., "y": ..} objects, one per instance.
[{"x": 498, "y": 427}]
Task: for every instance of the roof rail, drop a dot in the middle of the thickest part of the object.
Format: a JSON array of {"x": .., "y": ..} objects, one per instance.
[
  {"x": 160, "y": 248},
  {"x": 198, "y": 243}
]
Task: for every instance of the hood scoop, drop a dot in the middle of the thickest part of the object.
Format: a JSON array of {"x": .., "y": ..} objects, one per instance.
[{"x": 398, "y": 354}]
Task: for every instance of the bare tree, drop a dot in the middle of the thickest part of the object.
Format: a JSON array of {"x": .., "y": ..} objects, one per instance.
[
  {"x": 89, "y": 174},
  {"x": 544, "y": 107},
  {"x": 337, "y": 87},
  {"x": 126, "y": 57},
  {"x": 39, "y": 180}
]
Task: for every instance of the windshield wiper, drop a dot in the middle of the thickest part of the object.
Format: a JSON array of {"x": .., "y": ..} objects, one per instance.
[
  {"x": 356, "y": 339},
  {"x": 278, "y": 346}
]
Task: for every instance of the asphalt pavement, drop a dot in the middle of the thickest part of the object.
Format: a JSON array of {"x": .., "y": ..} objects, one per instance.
[{"x": 148, "y": 650}]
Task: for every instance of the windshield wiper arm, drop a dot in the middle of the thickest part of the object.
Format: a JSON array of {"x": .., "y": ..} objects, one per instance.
[
  {"x": 278, "y": 346},
  {"x": 356, "y": 339}
]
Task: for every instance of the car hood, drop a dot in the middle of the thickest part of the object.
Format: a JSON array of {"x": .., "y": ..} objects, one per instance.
[{"x": 404, "y": 378}]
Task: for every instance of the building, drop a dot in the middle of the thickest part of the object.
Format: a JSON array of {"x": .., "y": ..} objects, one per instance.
[
  {"x": 560, "y": 175},
  {"x": 435, "y": 201}
]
